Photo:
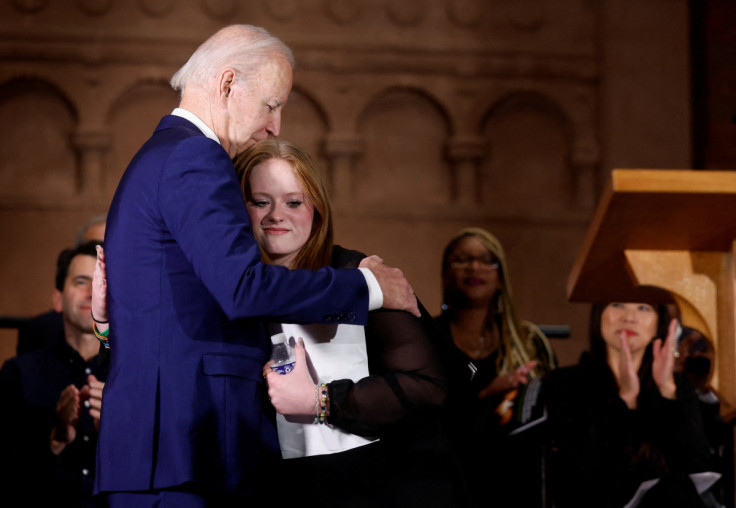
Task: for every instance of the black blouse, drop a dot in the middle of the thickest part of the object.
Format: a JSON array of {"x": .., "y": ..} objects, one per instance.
[
  {"x": 598, "y": 450},
  {"x": 401, "y": 401},
  {"x": 405, "y": 383}
]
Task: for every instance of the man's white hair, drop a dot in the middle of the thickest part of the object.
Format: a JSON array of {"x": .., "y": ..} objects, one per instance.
[{"x": 243, "y": 47}]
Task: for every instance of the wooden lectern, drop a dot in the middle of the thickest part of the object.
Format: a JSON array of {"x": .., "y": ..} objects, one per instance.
[{"x": 676, "y": 230}]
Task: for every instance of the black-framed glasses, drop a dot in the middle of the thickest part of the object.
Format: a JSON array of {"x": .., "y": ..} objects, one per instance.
[{"x": 484, "y": 261}]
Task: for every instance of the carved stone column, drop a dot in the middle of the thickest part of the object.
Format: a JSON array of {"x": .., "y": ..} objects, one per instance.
[
  {"x": 465, "y": 153},
  {"x": 92, "y": 145},
  {"x": 586, "y": 189},
  {"x": 341, "y": 149}
]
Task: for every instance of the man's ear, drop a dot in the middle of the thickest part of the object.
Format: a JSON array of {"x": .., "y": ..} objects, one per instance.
[
  {"x": 227, "y": 80},
  {"x": 56, "y": 297}
]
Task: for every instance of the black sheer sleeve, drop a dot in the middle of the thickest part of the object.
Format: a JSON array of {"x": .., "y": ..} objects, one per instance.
[{"x": 405, "y": 382}]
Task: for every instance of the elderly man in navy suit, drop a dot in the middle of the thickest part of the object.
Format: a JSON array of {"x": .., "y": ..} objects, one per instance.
[{"x": 182, "y": 420}]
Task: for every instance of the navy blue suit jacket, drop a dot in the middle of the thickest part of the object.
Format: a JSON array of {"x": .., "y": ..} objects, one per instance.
[{"x": 187, "y": 298}]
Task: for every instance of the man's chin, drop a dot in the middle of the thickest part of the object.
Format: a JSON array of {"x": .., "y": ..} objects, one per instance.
[{"x": 249, "y": 144}]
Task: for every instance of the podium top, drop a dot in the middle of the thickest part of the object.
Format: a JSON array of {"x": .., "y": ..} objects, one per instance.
[{"x": 651, "y": 209}]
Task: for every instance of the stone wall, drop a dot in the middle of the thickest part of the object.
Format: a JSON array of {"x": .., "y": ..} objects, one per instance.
[{"x": 427, "y": 116}]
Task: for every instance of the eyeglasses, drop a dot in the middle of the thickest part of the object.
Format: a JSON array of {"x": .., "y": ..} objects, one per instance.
[{"x": 483, "y": 261}]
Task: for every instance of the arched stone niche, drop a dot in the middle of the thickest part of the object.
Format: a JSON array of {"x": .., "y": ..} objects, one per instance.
[
  {"x": 403, "y": 165},
  {"x": 38, "y": 163},
  {"x": 527, "y": 172}
]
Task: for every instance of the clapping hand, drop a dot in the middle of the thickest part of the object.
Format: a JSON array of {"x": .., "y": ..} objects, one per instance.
[
  {"x": 628, "y": 382},
  {"x": 663, "y": 365},
  {"x": 68, "y": 410},
  {"x": 67, "y": 416},
  {"x": 95, "y": 398},
  {"x": 507, "y": 382}
]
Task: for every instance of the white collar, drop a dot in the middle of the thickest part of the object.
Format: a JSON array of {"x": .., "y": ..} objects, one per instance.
[{"x": 185, "y": 113}]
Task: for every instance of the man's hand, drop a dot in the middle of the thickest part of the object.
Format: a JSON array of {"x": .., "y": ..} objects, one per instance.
[
  {"x": 397, "y": 293},
  {"x": 67, "y": 417},
  {"x": 95, "y": 398},
  {"x": 99, "y": 289}
]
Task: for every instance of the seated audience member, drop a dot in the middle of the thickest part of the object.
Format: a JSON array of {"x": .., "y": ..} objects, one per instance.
[
  {"x": 51, "y": 400},
  {"x": 92, "y": 230},
  {"x": 488, "y": 353},
  {"x": 49, "y": 327},
  {"x": 695, "y": 359},
  {"x": 621, "y": 426}
]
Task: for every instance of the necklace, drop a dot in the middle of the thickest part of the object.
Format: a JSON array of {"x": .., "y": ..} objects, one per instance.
[
  {"x": 483, "y": 348},
  {"x": 478, "y": 348}
]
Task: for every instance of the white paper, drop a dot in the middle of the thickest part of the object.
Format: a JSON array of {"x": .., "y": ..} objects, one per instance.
[
  {"x": 702, "y": 481},
  {"x": 335, "y": 352}
]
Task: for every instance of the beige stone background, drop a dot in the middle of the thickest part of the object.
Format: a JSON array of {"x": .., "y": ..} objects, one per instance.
[{"x": 427, "y": 115}]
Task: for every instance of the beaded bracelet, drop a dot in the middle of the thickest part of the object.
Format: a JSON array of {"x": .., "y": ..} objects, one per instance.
[
  {"x": 101, "y": 336},
  {"x": 316, "y": 405},
  {"x": 321, "y": 404}
]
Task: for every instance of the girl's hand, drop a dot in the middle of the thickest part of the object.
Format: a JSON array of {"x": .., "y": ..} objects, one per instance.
[
  {"x": 293, "y": 393},
  {"x": 663, "y": 364}
]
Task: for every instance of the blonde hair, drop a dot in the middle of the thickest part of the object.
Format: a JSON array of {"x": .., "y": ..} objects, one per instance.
[
  {"x": 317, "y": 251},
  {"x": 521, "y": 341}
]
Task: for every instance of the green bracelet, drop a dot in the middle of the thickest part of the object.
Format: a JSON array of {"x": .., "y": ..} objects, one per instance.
[{"x": 103, "y": 337}]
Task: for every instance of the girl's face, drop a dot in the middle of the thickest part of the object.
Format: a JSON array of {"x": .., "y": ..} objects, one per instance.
[
  {"x": 473, "y": 271},
  {"x": 280, "y": 214},
  {"x": 638, "y": 321}
]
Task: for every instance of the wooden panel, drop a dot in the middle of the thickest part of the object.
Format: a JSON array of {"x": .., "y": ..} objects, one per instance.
[{"x": 652, "y": 210}]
